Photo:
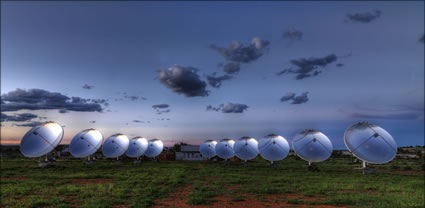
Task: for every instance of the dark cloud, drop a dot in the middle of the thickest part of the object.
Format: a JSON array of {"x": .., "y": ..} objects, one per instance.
[
  {"x": 160, "y": 106},
  {"x": 211, "y": 108},
  {"x": 31, "y": 124},
  {"x": 38, "y": 99},
  {"x": 339, "y": 65},
  {"x": 288, "y": 96},
  {"x": 138, "y": 121},
  {"x": 364, "y": 17},
  {"x": 395, "y": 112},
  {"x": 232, "y": 68},
  {"x": 133, "y": 97},
  {"x": 87, "y": 87},
  {"x": 422, "y": 39},
  {"x": 18, "y": 117},
  {"x": 292, "y": 34},
  {"x": 183, "y": 80},
  {"x": 237, "y": 52},
  {"x": 63, "y": 111},
  {"x": 162, "y": 111},
  {"x": 303, "y": 98},
  {"x": 92, "y": 122},
  {"x": 284, "y": 71},
  {"x": 229, "y": 108},
  {"x": 308, "y": 67},
  {"x": 390, "y": 116},
  {"x": 104, "y": 102},
  {"x": 215, "y": 81}
]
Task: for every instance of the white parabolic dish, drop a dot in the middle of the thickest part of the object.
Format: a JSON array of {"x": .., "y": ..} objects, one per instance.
[
  {"x": 370, "y": 143},
  {"x": 224, "y": 148},
  {"x": 86, "y": 143},
  {"x": 246, "y": 148},
  {"x": 155, "y": 147},
  {"x": 137, "y": 147},
  {"x": 207, "y": 149},
  {"x": 41, "y": 139},
  {"x": 115, "y": 145},
  {"x": 273, "y": 147},
  {"x": 312, "y": 146}
]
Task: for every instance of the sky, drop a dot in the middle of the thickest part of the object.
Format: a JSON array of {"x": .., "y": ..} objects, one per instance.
[{"x": 193, "y": 71}]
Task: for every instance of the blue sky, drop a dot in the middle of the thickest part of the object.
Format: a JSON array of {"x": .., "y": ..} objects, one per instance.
[{"x": 118, "y": 48}]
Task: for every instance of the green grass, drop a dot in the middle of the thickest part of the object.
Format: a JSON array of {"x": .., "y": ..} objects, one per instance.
[{"x": 24, "y": 184}]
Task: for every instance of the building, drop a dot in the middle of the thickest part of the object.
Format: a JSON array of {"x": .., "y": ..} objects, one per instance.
[{"x": 189, "y": 152}]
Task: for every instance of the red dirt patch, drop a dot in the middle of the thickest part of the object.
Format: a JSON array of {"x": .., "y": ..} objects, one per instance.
[
  {"x": 176, "y": 199},
  {"x": 408, "y": 172},
  {"x": 211, "y": 178},
  {"x": 120, "y": 206},
  {"x": 272, "y": 201},
  {"x": 13, "y": 179},
  {"x": 93, "y": 181},
  {"x": 72, "y": 201},
  {"x": 179, "y": 198}
]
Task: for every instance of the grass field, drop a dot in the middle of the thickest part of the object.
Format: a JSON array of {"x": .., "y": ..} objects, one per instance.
[{"x": 69, "y": 183}]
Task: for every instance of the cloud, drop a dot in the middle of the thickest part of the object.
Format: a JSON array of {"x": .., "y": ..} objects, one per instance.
[
  {"x": 339, "y": 65},
  {"x": 288, "y": 96},
  {"x": 183, "y": 80},
  {"x": 160, "y": 108},
  {"x": 308, "y": 67},
  {"x": 163, "y": 119},
  {"x": 18, "y": 117},
  {"x": 138, "y": 121},
  {"x": 391, "y": 116},
  {"x": 211, "y": 108},
  {"x": 303, "y": 98},
  {"x": 284, "y": 71},
  {"x": 38, "y": 99},
  {"x": 92, "y": 122},
  {"x": 63, "y": 111},
  {"x": 31, "y": 124},
  {"x": 100, "y": 101},
  {"x": 229, "y": 108},
  {"x": 422, "y": 39},
  {"x": 162, "y": 111},
  {"x": 237, "y": 52},
  {"x": 365, "y": 17},
  {"x": 232, "y": 68},
  {"x": 87, "y": 87},
  {"x": 292, "y": 34},
  {"x": 395, "y": 112},
  {"x": 216, "y": 81},
  {"x": 133, "y": 97}
]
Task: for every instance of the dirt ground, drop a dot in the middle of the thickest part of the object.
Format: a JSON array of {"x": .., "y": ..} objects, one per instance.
[
  {"x": 93, "y": 181},
  {"x": 179, "y": 198}
]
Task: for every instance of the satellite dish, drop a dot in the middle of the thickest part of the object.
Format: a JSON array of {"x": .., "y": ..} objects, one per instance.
[
  {"x": 207, "y": 148},
  {"x": 86, "y": 143},
  {"x": 224, "y": 149},
  {"x": 155, "y": 147},
  {"x": 41, "y": 139},
  {"x": 312, "y": 146},
  {"x": 246, "y": 148},
  {"x": 115, "y": 145},
  {"x": 370, "y": 143},
  {"x": 137, "y": 147},
  {"x": 273, "y": 147}
]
